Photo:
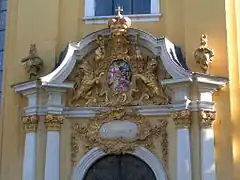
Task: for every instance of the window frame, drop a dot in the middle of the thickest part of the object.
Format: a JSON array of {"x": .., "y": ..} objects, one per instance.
[{"x": 91, "y": 18}]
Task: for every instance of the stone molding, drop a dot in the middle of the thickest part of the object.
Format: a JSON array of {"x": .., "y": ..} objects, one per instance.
[
  {"x": 207, "y": 118},
  {"x": 144, "y": 154},
  {"x": 182, "y": 119},
  {"x": 53, "y": 122},
  {"x": 30, "y": 123}
]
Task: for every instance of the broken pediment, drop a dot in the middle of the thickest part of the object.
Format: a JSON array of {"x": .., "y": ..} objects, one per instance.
[{"x": 118, "y": 72}]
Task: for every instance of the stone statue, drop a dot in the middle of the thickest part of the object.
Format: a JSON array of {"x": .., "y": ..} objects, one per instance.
[{"x": 33, "y": 62}]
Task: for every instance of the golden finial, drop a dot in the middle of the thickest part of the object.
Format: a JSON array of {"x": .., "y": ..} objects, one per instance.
[
  {"x": 204, "y": 55},
  {"x": 119, "y": 10}
]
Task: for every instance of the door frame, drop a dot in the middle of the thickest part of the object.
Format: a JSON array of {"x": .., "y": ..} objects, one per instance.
[{"x": 96, "y": 153}]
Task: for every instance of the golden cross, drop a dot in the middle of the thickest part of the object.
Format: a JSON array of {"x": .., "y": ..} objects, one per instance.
[{"x": 119, "y": 10}]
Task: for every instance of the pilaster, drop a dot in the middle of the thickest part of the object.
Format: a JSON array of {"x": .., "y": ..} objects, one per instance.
[
  {"x": 53, "y": 124},
  {"x": 30, "y": 151},
  {"x": 182, "y": 121},
  {"x": 207, "y": 145}
]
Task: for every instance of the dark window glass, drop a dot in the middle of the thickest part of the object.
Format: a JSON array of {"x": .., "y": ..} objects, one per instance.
[
  {"x": 1, "y": 59},
  {"x": 103, "y": 7},
  {"x": 108, "y": 7},
  {"x": 141, "y": 6},
  {"x": 1, "y": 72},
  {"x": 126, "y": 5},
  {"x": 3, "y": 4},
  {"x": 2, "y": 20},
  {"x": 2, "y": 38},
  {"x": 3, "y": 8}
]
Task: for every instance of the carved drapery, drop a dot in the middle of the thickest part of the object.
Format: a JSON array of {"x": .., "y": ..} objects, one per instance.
[
  {"x": 30, "y": 123},
  {"x": 182, "y": 119},
  {"x": 53, "y": 122},
  {"x": 207, "y": 118},
  {"x": 89, "y": 134}
]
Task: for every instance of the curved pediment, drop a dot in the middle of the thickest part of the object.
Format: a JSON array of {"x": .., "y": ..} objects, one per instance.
[
  {"x": 119, "y": 66},
  {"x": 161, "y": 47}
]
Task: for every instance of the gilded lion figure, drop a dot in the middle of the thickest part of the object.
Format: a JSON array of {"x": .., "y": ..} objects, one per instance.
[
  {"x": 150, "y": 80},
  {"x": 83, "y": 88}
]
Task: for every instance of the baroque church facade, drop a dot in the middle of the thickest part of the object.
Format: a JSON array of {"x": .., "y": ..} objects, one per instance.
[{"x": 144, "y": 92}]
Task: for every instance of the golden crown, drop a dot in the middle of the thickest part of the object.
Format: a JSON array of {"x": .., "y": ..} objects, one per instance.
[{"x": 120, "y": 23}]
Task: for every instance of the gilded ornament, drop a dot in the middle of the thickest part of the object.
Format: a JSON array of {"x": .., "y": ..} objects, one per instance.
[
  {"x": 207, "y": 118},
  {"x": 90, "y": 134},
  {"x": 118, "y": 75},
  {"x": 53, "y": 122},
  {"x": 182, "y": 119},
  {"x": 149, "y": 79},
  {"x": 164, "y": 141},
  {"x": 30, "y": 123},
  {"x": 204, "y": 55},
  {"x": 33, "y": 63}
]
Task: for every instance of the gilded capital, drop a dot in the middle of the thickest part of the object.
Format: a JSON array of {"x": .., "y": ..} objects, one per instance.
[
  {"x": 182, "y": 119},
  {"x": 30, "y": 123},
  {"x": 53, "y": 122},
  {"x": 207, "y": 118}
]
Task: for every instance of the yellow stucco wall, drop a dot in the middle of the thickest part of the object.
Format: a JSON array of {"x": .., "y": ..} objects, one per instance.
[{"x": 52, "y": 24}]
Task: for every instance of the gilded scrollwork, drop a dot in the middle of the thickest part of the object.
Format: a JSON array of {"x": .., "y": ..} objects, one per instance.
[
  {"x": 164, "y": 141},
  {"x": 118, "y": 74},
  {"x": 182, "y": 119},
  {"x": 30, "y": 123},
  {"x": 89, "y": 134},
  {"x": 207, "y": 118},
  {"x": 53, "y": 122}
]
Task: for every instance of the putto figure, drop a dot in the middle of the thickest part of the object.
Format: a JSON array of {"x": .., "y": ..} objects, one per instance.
[{"x": 33, "y": 63}]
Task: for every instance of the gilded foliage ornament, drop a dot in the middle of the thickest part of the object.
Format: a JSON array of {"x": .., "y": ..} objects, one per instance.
[
  {"x": 30, "y": 123},
  {"x": 53, "y": 122},
  {"x": 182, "y": 119},
  {"x": 89, "y": 134},
  {"x": 207, "y": 118},
  {"x": 118, "y": 74}
]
